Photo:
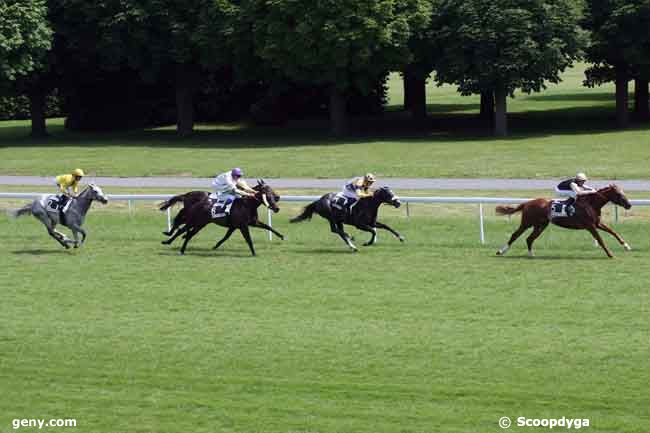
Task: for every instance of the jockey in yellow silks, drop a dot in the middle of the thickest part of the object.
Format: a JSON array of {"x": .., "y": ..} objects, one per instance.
[{"x": 65, "y": 182}]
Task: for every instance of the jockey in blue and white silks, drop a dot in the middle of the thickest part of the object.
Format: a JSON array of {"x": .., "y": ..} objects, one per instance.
[{"x": 574, "y": 188}]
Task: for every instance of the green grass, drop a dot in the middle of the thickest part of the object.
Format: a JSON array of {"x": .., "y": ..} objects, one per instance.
[
  {"x": 554, "y": 133},
  {"x": 436, "y": 334}
]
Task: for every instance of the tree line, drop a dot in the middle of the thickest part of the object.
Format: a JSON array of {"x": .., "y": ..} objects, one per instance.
[{"x": 133, "y": 62}]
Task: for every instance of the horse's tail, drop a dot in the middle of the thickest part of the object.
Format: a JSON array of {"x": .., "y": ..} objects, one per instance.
[
  {"x": 306, "y": 214},
  {"x": 15, "y": 213},
  {"x": 509, "y": 210},
  {"x": 171, "y": 202}
]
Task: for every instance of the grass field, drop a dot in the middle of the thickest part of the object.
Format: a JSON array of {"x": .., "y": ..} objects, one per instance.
[
  {"x": 435, "y": 335},
  {"x": 553, "y": 134}
]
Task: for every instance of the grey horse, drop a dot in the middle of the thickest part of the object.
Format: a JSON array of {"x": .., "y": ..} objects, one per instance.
[{"x": 74, "y": 216}]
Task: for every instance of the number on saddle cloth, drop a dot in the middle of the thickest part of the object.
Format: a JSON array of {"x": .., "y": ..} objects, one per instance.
[
  {"x": 57, "y": 203},
  {"x": 341, "y": 203},
  {"x": 221, "y": 207},
  {"x": 562, "y": 209}
]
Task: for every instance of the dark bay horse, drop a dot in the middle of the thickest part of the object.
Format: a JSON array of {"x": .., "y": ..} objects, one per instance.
[
  {"x": 188, "y": 199},
  {"x": 243, "y": 214},
  {"x": 536, "y": 213},
  {"x": 363, "y": 215}
]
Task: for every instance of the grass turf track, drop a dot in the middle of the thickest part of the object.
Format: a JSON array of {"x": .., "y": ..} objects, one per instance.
[
  {"x": 553, "y": 134},
  {"x": 433, "y": 335}
]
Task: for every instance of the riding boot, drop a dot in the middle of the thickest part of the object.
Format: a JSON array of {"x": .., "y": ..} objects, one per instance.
[{"x": 570, "y": 206}]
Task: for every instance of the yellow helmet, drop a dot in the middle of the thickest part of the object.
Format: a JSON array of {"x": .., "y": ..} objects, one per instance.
[
  {"x": 369, "y": 178},
  {"x": 78, "y": 172}
]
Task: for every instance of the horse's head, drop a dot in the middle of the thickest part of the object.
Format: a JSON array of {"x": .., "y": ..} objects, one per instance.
[
  {"x": 386, "y": 195},
  {"x": 615, "y": 194},
  {"x": 96, "y": 193},
  {"x": 267, "y": 195}
]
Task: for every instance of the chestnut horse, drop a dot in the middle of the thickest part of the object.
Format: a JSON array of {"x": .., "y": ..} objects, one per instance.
[{"x": 536, "y": 213}]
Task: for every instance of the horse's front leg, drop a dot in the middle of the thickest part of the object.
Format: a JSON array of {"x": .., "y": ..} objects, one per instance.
[
  {"x": 394, "y": 232},
  {"x": 261, "y": 225},
  {"x": 370, "y": 229},
  {"x": 247, "y": 235},
  {"x": 596, "y": 235},
  {"x": 225, "y": 238},
  {"x": 602, "y": 226}
]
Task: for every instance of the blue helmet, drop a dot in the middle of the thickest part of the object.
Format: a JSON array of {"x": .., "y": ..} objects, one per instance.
[{"x": 237, "y": 172}]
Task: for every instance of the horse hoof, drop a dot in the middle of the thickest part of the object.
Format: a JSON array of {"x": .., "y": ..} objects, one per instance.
[
  {"x": 627, "y": 247},
  {"x": 402, "y": 239},
  {"x": 165, "y": 242},
  {"x": 167, "y": 233},
  {"x": 499, "y": 253}
]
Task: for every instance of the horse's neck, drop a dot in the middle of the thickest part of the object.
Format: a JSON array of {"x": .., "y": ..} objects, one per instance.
[
  {"x": 598, "y": 200},
  {"x": 83, "y": 202}
]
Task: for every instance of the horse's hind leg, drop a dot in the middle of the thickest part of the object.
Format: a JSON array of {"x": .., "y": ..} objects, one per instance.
[
  {"x": 190, "y": 234},
  {"x": 177, "y": 234},
  {"x": 346, "y": 237},
  {"x": 534, "y": 235},
  {"x": 179, "y": 219},
  {"x": 604, "y": 227},
  {"x": 504, "y": 249}
]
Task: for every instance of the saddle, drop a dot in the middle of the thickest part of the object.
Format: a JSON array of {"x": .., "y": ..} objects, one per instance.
[
  {"x": 342, "y": 203},
  {"x": 221, "y": 207},
  {"x": 562, "y": 209},
  {"x": 57, "y": 204}
]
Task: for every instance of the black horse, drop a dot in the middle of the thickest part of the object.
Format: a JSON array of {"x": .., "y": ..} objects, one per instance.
[
  {"x": 363, "y": 214},
  {"x": 189, "y": 199},
  {"x": 243, "y": 214}
]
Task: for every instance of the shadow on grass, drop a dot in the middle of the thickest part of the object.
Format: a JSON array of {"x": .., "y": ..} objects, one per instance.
[
  {"x": 553, "y": 258},
  {"x": 392, "y": 125},
  {"x": 40, "y": 251},
  {"x": 578, "y": 96}
]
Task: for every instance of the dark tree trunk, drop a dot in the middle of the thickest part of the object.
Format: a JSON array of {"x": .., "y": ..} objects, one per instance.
[
  {"x": 487, "y": 107},
  {"x": 500, "y": 113},
  {"x": 37, "y": 112},
  {"x": 641, "y": 100},
  {"x": 407, "y": 89},
  {"x": 186, "y": 82},
  {"x": 622, "y": 118},
  {"x": 415, "y": 95},
  {"x": 338, "y": 112}
]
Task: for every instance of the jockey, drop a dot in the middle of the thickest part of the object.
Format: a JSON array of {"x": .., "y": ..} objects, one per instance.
[
  {"x": 67, "y": 181},
  {"x": 573, "y": 188},
  {"x": 229, "y": 185},
  {"x": 358, "y": 188}
]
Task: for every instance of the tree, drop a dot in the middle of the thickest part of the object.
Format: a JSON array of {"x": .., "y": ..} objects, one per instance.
[
  {"x": 498, "y": 46},
  {"x": 341, "y": 44},
  {"x": 619, "y": 49},
  {"x": 183, "y": 36},
  {"x": 25, "y": 37}
]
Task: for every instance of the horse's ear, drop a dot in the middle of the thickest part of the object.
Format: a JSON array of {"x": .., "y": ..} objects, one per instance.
[{"x": 261, "y": 181}]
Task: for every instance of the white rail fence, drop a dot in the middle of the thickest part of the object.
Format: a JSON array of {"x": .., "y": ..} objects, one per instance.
[{"x": 480, "y": 201}]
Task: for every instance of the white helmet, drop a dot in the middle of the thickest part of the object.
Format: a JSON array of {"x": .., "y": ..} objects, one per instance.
[{"x": 581, "y": 176}]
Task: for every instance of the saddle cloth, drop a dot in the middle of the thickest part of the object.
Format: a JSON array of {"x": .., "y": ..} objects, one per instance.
[
  {"x": 53, "y": 203},
  {"x": 559, "y": 209},
  {"x": 221, "y": 207}
]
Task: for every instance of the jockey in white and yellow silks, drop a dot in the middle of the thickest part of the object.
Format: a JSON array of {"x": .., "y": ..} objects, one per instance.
[
  {"x": 357, "y": 188},
  {"x": 229, "y": 185}
]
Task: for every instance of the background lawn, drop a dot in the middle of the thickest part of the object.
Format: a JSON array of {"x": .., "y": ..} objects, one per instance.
[
  {"x": 436, "y": 334},
  {"x": 553, "y": 134}
]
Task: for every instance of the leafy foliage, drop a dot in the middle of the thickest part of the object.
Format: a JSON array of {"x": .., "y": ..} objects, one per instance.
[
  {"x": 517, "y": 44},
  {"x": 25, "y": 37}
]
